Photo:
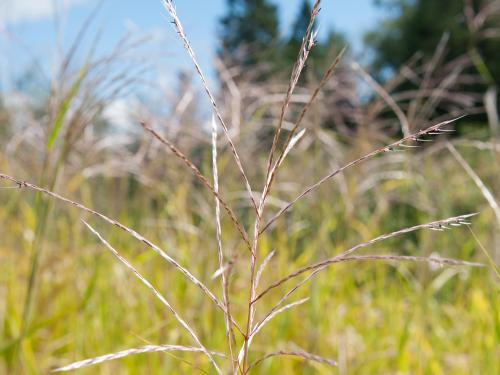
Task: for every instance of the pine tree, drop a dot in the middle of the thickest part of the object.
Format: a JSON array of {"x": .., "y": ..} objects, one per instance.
[
  {"x": 418, "y": 25},
  {"x": 300, "y": 24},
  {"x": 323, "y": 52},
  {"x": 249, "y": 33}
]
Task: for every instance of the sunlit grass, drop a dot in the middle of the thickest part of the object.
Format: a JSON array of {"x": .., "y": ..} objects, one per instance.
[
  {"x": 370, "y": 317},
  {"x": 141, "y": 272}
]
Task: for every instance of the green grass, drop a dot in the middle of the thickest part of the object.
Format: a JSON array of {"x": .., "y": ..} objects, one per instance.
[
  {"x": 371, "y": 317},
  {"x": 74, "y": 300}
]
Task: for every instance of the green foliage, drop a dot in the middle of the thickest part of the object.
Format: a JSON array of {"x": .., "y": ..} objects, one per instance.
[
  {"x": 250, "y": 37},
  {"x": 417, "y": 26},
  {"x": 249, "y": 32},
  {"x": 63, "y": 110},
  {"x": 4, "y": 119},
  {"x": 323, "y": 52},
  {"x": 373, "y": 317}
]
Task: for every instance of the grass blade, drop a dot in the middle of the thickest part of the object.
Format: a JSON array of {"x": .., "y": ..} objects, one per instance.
[
  {"x": 220, "y": 253},
  {"x": 128, "y": 352},
  {"x": 169, "y": 6},
  {"x": 63, "y": 109},
  {"x": 437, "y": 225},
  {"x": 202, "y": 179},
  {"x": 157, "y": 294},
  {"x": 295, "y": 353},
  {"x": 412, "y": 138},
  {"x": 133, "y": 233}
]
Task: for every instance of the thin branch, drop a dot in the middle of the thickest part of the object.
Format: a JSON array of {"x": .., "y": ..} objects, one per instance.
[
  {"x": 295, "y": 353},
  {"x": 288, "y": 142},
  {"x": 157, "y": 294},
  {"x": 435, "y": 225},
  {"x": 477, "y": 180},
  {"x": 306, "y": 46},
  {"x": 405, "y": 125},
  {"x": 266, "y": 260},
  {"x": 169, "y": 6},
  {"x": 128, "y": 352},
  {"x": 291, "y": 291},
  {"x": 266, "y": 320},
  {"x": 486, "y": 253},
  {"x": 220, "y": 253},
  {"x": 202, "y": 179},
  {"x": 133, "y": 233},
  {"x": 416, "y": 137},
  {"x": 383, "y": 257},
  {"x": 246, "y": 345}
]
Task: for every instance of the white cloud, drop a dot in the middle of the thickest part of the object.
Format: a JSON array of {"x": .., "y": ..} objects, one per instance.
[
  {"x": 14, "y": 11},
  {"x": 120, "y": 113}
]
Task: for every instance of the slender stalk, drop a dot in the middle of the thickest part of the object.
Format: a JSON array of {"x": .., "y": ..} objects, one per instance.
[
  {"x": 326, "y": 77},
  {"x": 486, "y": 254},
  {"x": 477, "y": 180},
  {"x": 203, "y": 180},
  {"x": 294, "y": 353},
  {"x": 305, "y": 48},
  {"x": 416, "y": 137},
  {"x": 169, "y": 6},
  {"x": 405, "y": 124},
  {"x": 220, "y": 253},
  {"x": 42, "y": 208},
  {"x": 307, "y": 45},
  {"x": 435, "y": 225},
  {"x": 133, "y": 233},
  {"x": 251, "y": 308},
  {"x": 157, "y": 294},
  {"x": 128, "y": 352}
]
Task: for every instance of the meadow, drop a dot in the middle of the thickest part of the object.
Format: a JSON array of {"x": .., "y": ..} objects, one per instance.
[{"x": 425, "y": 300}]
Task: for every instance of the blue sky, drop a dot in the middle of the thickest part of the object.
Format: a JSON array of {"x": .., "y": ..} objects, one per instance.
[{"x": 27, "y": 28}]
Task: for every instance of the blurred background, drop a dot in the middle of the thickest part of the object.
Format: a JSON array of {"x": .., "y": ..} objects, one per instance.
[{"x": 78, "y": 76}]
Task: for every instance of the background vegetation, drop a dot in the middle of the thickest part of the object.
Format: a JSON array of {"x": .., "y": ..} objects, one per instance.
[{"x": 65, "y": 298}]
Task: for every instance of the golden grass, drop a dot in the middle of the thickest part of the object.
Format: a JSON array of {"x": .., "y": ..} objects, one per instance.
[{"x": 426, "y": 308}]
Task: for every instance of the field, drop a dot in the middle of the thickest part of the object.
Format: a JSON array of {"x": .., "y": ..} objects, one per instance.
[{"x": 66, "y": 298}]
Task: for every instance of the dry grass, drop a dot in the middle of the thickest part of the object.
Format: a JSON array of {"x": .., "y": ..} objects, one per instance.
[{"x": 226, "y": 327}]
